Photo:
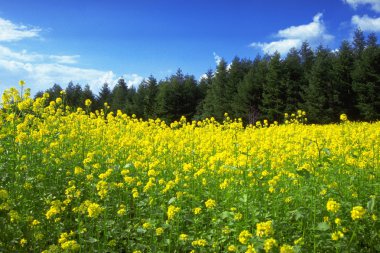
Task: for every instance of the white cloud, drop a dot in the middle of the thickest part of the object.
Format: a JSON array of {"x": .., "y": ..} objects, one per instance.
[
  {"x": 7, "y": 53},
  {"x": 375, "y": 4},
  {"x": 65, "y": 59},
  {"x": 41, "y": 71},
  {"x": 132, "y": 80},
  {"x": 366, "y": 23},
  {"x": 217, "y": 58},
  {"x": 13, "y": 32},
  {"x": 281, "y": 46},
  {"x": 41, "y": 74},
  {"x": 293, "y": 36}
]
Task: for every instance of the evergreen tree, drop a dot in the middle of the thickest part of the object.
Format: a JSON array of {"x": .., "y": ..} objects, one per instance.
[
  {"x": 236, "y": 72},
  {"x": 146, "y": 98},
  {"x": 216, "y": 98},
  {"x": 366, "y": 83},
  {"x": 359, "y": 42},
  {"x": 104, "y": 96},
  {"x": 177, "y": 97},
  {"x": 321, "y": 97},
  {"x": 307, "y": 62},
  {"x": 203, "y": 89},
  {"x": 87, "y": 94},
  {"x": 273, "y": 103},
  {"x": 247, "y": 102},
  {"x": 74, "y": 95},
  {"x": 292, "y": 78},
  {"x": 119, "y": 95},
  {"x": 54, "y": 92},
  {"x": 343, "y": 68}
]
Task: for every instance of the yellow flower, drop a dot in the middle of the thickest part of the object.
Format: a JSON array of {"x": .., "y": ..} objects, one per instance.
[
  {"x": 250, "y": 249},
  {"x": 199, "y": 243},
  {"x": 244, "y": 236},
  {"x": 94, "y": 210},
  {"x": 337, "y": 235},
  {"x": 332, "y": 206},
  {"x": 122, "y": 211},
  {"x": 231, "y": 248},
  {"x": 264, "y": 228},
  {"x": 357, "y": 212},
  {"x": 286, "y": 249},
  {"x": 210, "y": 203},
  {"x": 147, "y": 225},
  {"x": 87, "y": 102},
  {"x": 172, "y": 210},
  {"x": 23, "y": 242},
  {"x": 238, "y": 216},
  {"x": 70, "y": 245},
  {"x": 183, "y": 237},
  {"x": 269, "y": 244},
  {"x": 197, "y": 210},
  {"x": 338, "y": 221},
  {"x": 159, "y": 231},
  {"x": 35, "y": 222},
  {"x": 21, "y": 83},
  {"x": 343, "y": 117}
]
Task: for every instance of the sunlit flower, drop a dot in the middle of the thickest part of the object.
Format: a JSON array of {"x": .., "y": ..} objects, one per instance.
[{"x": 357, "y": 212}]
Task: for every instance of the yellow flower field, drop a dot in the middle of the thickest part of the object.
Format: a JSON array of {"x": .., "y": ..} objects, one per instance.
[{"x": 72, "y": 180}]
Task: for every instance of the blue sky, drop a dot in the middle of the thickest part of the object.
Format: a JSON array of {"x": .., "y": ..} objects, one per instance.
[{"x": 46, "y": 42}]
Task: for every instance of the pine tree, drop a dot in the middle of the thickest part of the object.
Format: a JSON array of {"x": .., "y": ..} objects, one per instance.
[
  {"x": 119, "y": 95},
  {"x": 273, "y": 103},
  {"x": 87, "y": 94},
  {"x": 293, "y": 76},
  {"x": 321, "y": 97},
  {"x": 247, "y": 102},
  {"x": 366, "y": 83},
  {"x": 104, "y": 96},
  {"x": 146, "y": 98},
  {"x": 359, "y": 42},
  {"x": 74, "y": 95},
  {"x": 216, "y": 98},
  {"x": 54, "y": 92},
  {"x": 343, "y": 68}
]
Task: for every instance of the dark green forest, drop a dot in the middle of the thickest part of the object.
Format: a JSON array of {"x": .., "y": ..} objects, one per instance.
[{"x": 322, "y": 82}]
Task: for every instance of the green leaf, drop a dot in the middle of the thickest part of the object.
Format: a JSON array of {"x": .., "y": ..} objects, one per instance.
[
  {"x": 323, "y": 226},
  {"x": 92, "y": 240},
  {"x": 371, "y": 204},
  {"x": 171, "y": 200},
  {"x": 244, "y": 198}
]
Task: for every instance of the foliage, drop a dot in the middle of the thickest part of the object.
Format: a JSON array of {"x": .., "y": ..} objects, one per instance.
[{"x": 75, "y": 180}]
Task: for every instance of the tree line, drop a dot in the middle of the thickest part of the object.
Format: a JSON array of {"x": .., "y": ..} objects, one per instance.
[{"x": 322, "y": 82}]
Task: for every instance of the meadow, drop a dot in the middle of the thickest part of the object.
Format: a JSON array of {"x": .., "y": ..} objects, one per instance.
[{"x": 76, "y": 181}]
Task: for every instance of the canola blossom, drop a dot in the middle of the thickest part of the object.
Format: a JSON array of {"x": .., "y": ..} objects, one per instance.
[{"x": 75, "y": 180}]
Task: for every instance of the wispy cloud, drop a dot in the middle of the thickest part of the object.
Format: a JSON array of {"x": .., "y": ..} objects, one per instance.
[
  {"x": 65, "y": 59},
  {"x": 13, "y": 32},
  {"x": 366, "y": 23},
  {"x": 41, "y": 71},
  {"x": 293, "y": 36},
  {"x": 217, "y": 58},
  {"x": 375, "y": 4}
]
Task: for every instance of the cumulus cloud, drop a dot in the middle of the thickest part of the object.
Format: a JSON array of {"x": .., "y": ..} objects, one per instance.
[
  {"x": 293, "y": 36},
  {"x": 375, "y": 4},
  {"x": 132, "y": 80},
  {"x": 13, "y": 32},
  {"x": 366, "y": 23}
]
